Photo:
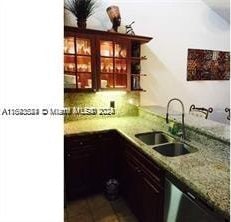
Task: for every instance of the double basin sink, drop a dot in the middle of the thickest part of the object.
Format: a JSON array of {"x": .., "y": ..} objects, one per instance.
[{"x": 165, "y": 144}]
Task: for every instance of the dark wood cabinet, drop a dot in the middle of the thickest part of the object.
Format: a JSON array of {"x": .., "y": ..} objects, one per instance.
[
  {"x": 79, "y": 62},
  {"x": 98, "y": 60},
  {"x": 142, "y": 185},
  {"x": 92, "y": 159},
  {"x": 79, "y": 164},
  {"x": 89, "y": 161}
]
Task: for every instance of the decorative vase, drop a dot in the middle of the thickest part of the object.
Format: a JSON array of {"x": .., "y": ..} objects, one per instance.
[
  {"x": 82, "y": 23},
  {"x": 114, "y": 15}
]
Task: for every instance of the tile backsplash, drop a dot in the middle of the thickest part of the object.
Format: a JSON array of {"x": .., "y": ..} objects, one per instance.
[{"x": 126, "y": 103}]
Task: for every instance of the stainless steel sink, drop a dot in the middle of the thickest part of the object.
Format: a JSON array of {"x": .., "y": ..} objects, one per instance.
[
  {"x": 174, "y": 149},
  {"x": 154, "y": 138}
]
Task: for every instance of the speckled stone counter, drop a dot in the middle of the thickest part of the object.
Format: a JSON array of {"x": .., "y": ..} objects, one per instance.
[
  {"x": 205, "y": 172},
  {"x": 211, "y": 128}
]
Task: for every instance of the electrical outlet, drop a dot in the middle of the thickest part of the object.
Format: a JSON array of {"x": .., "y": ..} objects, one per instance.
[{"x": 112, "y": 104}]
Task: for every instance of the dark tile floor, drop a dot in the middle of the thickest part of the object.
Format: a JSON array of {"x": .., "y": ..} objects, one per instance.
[{"x": 98, "y": 209}]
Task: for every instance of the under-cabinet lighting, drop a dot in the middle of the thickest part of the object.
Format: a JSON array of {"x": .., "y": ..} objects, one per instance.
[
  {"x": 131, "y": 101},
  {"x": 111, "y": 93}
]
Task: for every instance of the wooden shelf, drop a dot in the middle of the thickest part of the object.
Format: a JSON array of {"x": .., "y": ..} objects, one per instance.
[
  {"x": 134, "y": 38},
  {"x": 69, "y": 54},
  {"x": 133, "y": 74},
  {"x": 72, "y": 73},
  {"x": 80, "y": 72},
  {"x": 84, "y": 55},
  {"x": 139, "y": 58},
  {"x": 141, "y": 90},
  {"x": 113, "y": 57}
]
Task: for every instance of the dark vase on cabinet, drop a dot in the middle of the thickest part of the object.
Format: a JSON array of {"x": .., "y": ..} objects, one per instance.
[{"x": 97, "y": 60}]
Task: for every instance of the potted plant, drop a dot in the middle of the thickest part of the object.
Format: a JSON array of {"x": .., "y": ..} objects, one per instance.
[{"x": 81, "y": 9}]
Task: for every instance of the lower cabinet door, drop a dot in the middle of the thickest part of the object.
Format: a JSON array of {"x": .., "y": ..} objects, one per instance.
[
  {"x": 77, "y": 175},
  {"x": 144, "y": 195},
  {"x": 152, "y": 202},
  {"x": 89, "y": 162}
]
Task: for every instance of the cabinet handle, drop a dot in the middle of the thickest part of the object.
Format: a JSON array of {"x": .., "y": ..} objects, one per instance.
[
  {"x": 68, "y": 154},
  {"x": 190, "y": 195},
  {"x": 138, "y": 171},
  {"x": 151, "y": 185}
]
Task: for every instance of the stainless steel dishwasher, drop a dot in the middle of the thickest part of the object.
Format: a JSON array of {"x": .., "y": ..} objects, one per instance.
[{"x": 184, "y": 207}]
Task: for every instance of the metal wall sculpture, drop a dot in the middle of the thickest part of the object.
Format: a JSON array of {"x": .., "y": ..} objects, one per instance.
[{"x": 208, "y": 65}]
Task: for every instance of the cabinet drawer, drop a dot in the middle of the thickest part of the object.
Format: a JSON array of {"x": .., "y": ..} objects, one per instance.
[
  {"x": 142, "y": 172},
  {"x": 81, "y": 151},
  {"x": 78, "y": 142},
  {"x": 147, "y": 165}
]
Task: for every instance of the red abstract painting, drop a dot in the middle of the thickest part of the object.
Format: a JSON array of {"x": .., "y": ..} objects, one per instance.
[{"x": 208, "y": 65}]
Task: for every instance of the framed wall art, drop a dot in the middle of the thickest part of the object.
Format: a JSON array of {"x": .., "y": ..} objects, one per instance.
[{"x": 208, "y": 65}]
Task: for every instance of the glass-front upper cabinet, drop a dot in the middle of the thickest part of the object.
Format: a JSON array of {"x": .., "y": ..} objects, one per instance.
[
  {"x": 113, "y": 64},
  {"x": 98, "y": 60},
  {"x": 78, "y": 63}
]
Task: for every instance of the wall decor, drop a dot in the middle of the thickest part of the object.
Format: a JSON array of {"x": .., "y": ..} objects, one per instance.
[
  {"x": 81, "y": 9},
  {"x": 114, "y": 15},
  {"x": 208, "y": 65},
  {"x": 129, "y": 29}
]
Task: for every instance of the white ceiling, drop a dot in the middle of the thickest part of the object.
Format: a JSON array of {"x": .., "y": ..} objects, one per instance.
[{"x": 221, "y": 7}]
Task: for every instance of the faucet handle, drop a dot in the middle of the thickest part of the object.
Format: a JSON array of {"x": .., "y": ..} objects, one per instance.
[{"x": 180, "y": 134}]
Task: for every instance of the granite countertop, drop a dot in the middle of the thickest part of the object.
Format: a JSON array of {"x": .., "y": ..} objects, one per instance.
[
  {"x": 215, "y": 129},
  {"x": 206, "y": 171}
]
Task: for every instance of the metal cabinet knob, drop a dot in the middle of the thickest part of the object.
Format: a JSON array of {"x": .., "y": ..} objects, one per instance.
[{"x": 138, "y": 170}]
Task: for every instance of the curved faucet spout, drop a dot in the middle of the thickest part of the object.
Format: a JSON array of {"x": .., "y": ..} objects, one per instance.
[{"x": 167, "y": 114}]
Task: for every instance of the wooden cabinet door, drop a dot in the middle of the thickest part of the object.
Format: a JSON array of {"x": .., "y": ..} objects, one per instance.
[
  {"x": 79, "y": 62},
  {"x": 143, "y": 191},
  {"x": 77, "y": 174},
  {"x": 110, "y": 156},
  {"x": 90, "y": 161},
  {"x": 113, "y": 63},
  {"x": 80, "y": 159},
  {"x": 132, "y": 186},
  {"x": 152, "y": 202}
]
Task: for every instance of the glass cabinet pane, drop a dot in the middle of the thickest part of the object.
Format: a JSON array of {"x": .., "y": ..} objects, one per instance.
[
  {"x": 120, "y": 66},
  {"x": 106, "y": 48},
  {"x": 106, "y": 81},
  {"x": 120, "y": 81},
  {"x": 83, "y": 46},
  {"x": 106, "y": 65},
  {"x": 69, "y": 63},
  {"x": 84, "y": 80},
  {"x": 120, "y": 50},
  {"x": 69, "y": 46},
  {"x": 83, "y": 64},
  {"x": 113, "y": 64},
  {"x": 78, "y": 66},
  {"x": 69, "y": 81}
]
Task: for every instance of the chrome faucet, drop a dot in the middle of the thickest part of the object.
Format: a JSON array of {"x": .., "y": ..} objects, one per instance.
[{"x": 167, "y": 114}]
